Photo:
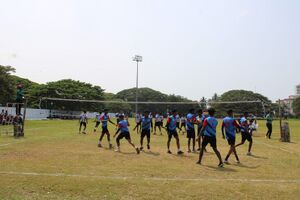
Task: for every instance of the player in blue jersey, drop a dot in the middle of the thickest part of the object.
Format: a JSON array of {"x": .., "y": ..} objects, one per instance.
[
  {"x": 123, "y": 132},
  {"x": 98, "y": 121},
  {"x": 190, "y": 129},
  {"x": 105, "y": 119},
  {"x": 83, "y": 121},
  {"x": 209, "y": 129},
  {"x": 172, "y": 132},
  {"x": 229, "y": 126},
  {"x": 146, "y": 126},
  {"x": 246, "y": 133}
]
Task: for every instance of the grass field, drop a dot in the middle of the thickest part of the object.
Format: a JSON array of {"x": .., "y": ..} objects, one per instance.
[{"x": 53, "y": 161}]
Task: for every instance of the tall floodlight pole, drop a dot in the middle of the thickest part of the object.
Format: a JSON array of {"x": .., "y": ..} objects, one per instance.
[{"x": 137, "y": 59}]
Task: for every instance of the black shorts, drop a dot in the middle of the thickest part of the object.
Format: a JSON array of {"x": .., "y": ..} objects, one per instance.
[
  {"x": 97, "y": 124},
  {"x": 246, "y": 136},
  {"x": 231, "y": 141},
  {"x": 125, "y": 135},
  {"x": 209, "y": 140},
  {"x": 145, "y": 133},
  {"x": 177, "y": 124},
  {"x": 172, "y": 133},
  {"x": 105, "y": 130},
  {"x": 182, "y": 124},
  {"x": 190, "y": 133},
  {"x": 83, "y": 124},
  {"x": 157, "y": 123}
]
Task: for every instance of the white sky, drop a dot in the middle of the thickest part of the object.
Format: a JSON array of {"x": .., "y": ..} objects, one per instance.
[{"x": 192, "y": 48}]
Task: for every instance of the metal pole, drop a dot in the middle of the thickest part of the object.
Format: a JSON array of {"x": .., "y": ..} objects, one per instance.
[
  {"x": 137, "y": 87},
  {"x": 280, "y": 119}
]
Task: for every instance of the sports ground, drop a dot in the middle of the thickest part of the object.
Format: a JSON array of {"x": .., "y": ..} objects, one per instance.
[{"x": 53, "y": 161}]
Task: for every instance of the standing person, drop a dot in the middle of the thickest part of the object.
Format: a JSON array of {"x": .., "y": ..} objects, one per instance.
[
  {"x": 200, "y": 119},
  {"x": 230, "y": 125},
  {"x": 182, "y": 123},
  {"x": 209, "y": 127},
  {"x": 104, "y": 119},
  {"x": 171, "y": 127},
  {"x": 98, "y": 121},
  {"x": 146, "y": 124},
  {"x": 83, "y": 120},
  {"x": 124, "y": 132},
  {"x": 138, "y": 121},
  {"x": 246, "y": 135},
  {"x": 269, "y": 119},
  {"x": 178, "y": 123},
  {"x": 19, "y": 98},
  {"x": 157, "y": 123},
  {"x": 151, "y": 120},
  {"x": 190, "y": 128}
]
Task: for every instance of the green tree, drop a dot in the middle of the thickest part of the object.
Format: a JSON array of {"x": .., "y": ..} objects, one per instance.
[
  {"x": 296, "y": 106},
  {"x": 7, "y": 86},
  {"x": 242, "y": 95}
]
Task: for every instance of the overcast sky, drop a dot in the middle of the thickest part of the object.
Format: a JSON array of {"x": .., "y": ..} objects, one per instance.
[{"x": 192, "y": 48}]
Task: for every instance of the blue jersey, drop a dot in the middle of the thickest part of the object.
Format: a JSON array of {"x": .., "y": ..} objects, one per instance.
[
  {"x": 190, "y": 121},
  {"x": 244, "y": 124},
  {"x": 123, "y": 126},
  {"x": 104, "y": 118},
  {"x": 210, "y": 125},
  {"x": 146, "y": 123},
  {"x": 171, "y": 123},
  {"x": 230, "y": 124}
]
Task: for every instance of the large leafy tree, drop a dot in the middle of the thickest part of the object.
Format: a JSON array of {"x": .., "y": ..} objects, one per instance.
[
  {"x": 7, "y": 86},
  {"x": 67, "y": 89},
  {"x": 296, "y": 106},
  {"x": 242, "y": 95}
]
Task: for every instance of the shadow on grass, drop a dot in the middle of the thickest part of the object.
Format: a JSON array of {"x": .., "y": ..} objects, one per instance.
[
  {"x": 151, "y": 153},
  {"x": 259, "y": 157},
  {"x": 216, "y": 168},
  {"x": 245, "y": 166}
]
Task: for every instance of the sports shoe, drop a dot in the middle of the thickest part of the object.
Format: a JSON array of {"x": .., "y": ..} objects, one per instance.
[
  {"x": 249, "y": 154},
  {"x": 117, "y": 150},
  {"x": 99, "y": 145},
  {"x": 189, "y": 151},
  {"x": 179, "y": 152},
  {"x": 226, "y": 162},
  {"x": 137, "y": 150},
  {"x": 148, "y": 147},
  {"x": 221, "y": 165},
  {"x": 169, "y": 152},
  {"x": 110, "y": 146},
  {"x": 84, "y": 132},
  {"x": 141, "y": 148},
  {"x": 238, "y": 162},
  {"x": 199, "y": 163}
]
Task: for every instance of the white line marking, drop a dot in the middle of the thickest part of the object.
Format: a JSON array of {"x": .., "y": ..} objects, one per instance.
[
  {"x": 2, "y": 145},
  {"x": 279, "y": 148},
  {"x": 151, "y": 178}
]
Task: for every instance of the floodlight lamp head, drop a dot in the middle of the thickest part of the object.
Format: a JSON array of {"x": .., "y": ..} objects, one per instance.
[{"x": 137, "y": 58}]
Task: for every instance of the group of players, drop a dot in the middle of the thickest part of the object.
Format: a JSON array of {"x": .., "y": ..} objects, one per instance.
[{"x": 204, "y": 123}]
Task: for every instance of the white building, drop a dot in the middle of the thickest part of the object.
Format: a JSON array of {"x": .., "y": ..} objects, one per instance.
[{"x": 288, "y": 102}]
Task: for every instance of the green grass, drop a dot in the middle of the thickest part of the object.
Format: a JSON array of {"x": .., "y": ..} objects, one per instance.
[{"x": 86, "y": 172}]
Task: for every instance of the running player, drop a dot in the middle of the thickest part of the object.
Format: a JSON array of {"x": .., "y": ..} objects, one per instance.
[
  {"x": 183, "y": 123},
  {"x": 190, "y": 128},
  {"x": 209, "y": 128},
  {"x": 124, "y": 132},
  {"x": 230, "y": 125},
  {"x": 246, "y": 135},
  {"x": 171, "y": 127},
  {"x": 178, "y": 123},
  {"x": 138, "y": 121},
  {"x": 157, "y": 123},
  {"x": 104, "y": 119},
  {"x": 83, "y": 121},
  {"x": 97, "y": 119},
  {"x": 200, "y": 118},
  {"x": 146, "y": 124}
]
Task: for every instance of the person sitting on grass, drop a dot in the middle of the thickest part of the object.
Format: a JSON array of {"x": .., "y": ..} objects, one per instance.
[
  {"x": 209, "y": 127},
  {"x": 171, "y": 128},
  {"x": 123, "y": 131},
  {"x": 230, "y": 125}
]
